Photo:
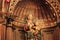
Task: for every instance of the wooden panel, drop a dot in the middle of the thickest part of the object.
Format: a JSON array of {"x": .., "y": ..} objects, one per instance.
[
  {"x": 56, "y": 34},
  {"x": 47, "y": 34},
  {"x": 51, "y": 35},
  {"x": 18, "y": 35},
  {"x": 48, "y": 37}
]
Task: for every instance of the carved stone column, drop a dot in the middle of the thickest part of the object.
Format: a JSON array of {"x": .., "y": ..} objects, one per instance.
[
  {"x": 3, "y": 9},
  {"x": 2, "y": 32},
  {"x": 9, "y": 34}
]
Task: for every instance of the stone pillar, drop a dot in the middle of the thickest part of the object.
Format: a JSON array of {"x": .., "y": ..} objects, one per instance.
[
  {"x": 3, "y": 9},
  {"x": 2, "y": 32},
  {"x": 9, "y": 34}
]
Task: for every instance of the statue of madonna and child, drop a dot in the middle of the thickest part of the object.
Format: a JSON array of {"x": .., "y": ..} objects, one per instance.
[{"x": 35, "y": 14}]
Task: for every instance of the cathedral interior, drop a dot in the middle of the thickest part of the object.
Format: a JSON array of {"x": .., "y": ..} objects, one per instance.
[{"x": 29, "y": 19}]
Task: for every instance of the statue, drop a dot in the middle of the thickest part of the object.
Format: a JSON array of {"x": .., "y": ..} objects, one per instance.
[{"x": 34, "y": 14}]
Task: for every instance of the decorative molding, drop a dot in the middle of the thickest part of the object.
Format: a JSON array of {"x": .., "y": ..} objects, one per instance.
[
  {"x": 12, "y": 5},
  {"x": 56, "y": 7}
]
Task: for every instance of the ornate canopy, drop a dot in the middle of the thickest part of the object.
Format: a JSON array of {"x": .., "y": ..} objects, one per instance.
[{"x": 39, "y": 10}]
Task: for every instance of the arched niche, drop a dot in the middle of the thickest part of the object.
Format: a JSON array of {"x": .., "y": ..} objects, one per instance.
[
  {"x": 54, "y": 3},
  {"x": 46, "y": 6}
]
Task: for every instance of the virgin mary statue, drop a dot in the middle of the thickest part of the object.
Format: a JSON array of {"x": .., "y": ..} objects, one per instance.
[{"x": 33, "y": 15}]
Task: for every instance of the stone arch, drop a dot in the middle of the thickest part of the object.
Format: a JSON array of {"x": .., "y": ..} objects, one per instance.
[
  {"x": 53, "y": 8},
  {"x": 16, "y": 1},
  {"x": 47, "y": 3},
  {"x": 51, "y": 2},
  {"x": 56, "y": 8}
]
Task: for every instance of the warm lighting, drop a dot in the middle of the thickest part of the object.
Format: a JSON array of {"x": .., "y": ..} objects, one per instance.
[{"x": 7, "y": 1}]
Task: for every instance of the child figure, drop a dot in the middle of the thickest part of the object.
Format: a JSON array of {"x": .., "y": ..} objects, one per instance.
[
  {"x": 30, "y": 20},
  {"x": 37, "y": 30},
  {"x": 30, "y": 24}
]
